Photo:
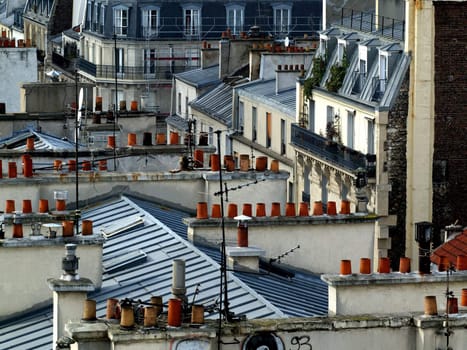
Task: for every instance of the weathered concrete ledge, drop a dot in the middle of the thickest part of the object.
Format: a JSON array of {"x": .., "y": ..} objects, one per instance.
[
  {"x": 391, "y": 278},
  {"x": 41, "y": 241}
]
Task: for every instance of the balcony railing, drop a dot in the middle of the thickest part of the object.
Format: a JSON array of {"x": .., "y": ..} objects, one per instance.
[
  {"x": 329, "y": 151},
  {"x": 131, "y": 73},
  {"x": 370, "y": 23},
  {"x": 213, "y": 27}
]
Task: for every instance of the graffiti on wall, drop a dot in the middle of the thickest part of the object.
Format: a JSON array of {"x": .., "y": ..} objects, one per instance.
[{"x": 270, "y": 341}]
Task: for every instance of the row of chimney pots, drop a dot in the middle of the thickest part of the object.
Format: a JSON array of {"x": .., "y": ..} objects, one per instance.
[
  {"x": 67, "y": 226},
  {"x": 247, "y": 209}
]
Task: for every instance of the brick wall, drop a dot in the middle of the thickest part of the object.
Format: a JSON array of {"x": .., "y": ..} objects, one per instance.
[
  {"x": 450, "y": 144},
  {"x": 397, "y": 170}
]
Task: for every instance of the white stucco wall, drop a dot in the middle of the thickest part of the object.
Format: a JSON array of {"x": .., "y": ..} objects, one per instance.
[
  {"x": 17, "y": 66},
  {"x": 389, "y": 293},
  {"x": 323, "y": 241},
  {"x": 31, "y": 262}
]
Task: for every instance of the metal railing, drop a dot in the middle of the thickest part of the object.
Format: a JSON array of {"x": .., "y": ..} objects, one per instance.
[
  {"x": 213, "y": 27},
  {"x": 330, "y": 151},
  {"x": 370, "y": 23},
  {"x": 131, "y": 72}
]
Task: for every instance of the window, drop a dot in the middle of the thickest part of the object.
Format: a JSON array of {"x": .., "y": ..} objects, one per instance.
[
  {"x": 89, "y": 15},
  {"x": 371, "y": 137},
  {"x": 383, "y": 72},
  {"x": 329, "y": 114},
  {"x": 186, "y": 106},
  {"x": 121, "y": 20},
  {"x": 254, "y": 123},
  {"x": 191, "y": 20},
  {"x": 282, "y": 18},
  {"x": 324, "y": 188},
  {"x": 210, "y": 135},
  {"x": 340, "y": 51},
  {"x": 235, "y": 18},
  {"x": 283, "y": 133},
  {"x": 311, "y": 116},
  {"x": 179, "y": 104},
  {"x": 350, "y": 128},
  {"x": 241, "y": 115},
  {"x": 149, "y": 62},
  {"x": 119, "y": 61},
  {"x": 268, "y": 129},
  {"x": 95, "y": 17},
  {"x": 150, "y": 21},
  {"x": 102, "y": 19},
  {"x": 192, "y": 57}
]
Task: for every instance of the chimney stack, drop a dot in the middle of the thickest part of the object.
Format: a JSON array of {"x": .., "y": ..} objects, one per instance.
[
  {"x": 69, "y": 293},
  {"x": 243, "y": 257},
  {"x": 178, "y": 279}
]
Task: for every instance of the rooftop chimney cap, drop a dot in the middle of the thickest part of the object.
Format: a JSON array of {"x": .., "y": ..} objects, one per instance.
[
  {"x": 70, "y": 263},
  {"x": 242, "y": 218}
]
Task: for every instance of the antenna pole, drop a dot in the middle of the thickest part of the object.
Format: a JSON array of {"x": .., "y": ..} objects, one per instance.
[
  {"x": 116, "y": 98},
  {"x": 76, "y": 151}
]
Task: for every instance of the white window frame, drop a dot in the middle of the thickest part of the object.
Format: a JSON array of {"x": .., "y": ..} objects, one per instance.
[
  {"x": 237, "y": 20},
  {"x": 121, "y": 20},
  {"x": 150, "y": 21},
  {"x": 282, "y": 18},
  {"x": 193, "y": 26},
  {"x": 102, "y": 19},
  {"x": 254, "y": 123},
  {"x": 89, "y": 15},
  {"x": 149, "y": 63},
  {"x": 120, "y": 61},
  {"x": 370, "y": 136},
  {"x": 95, "y": 17},
  {"x": 350, "y": 129},
  {"x": 383, "y": 70}
]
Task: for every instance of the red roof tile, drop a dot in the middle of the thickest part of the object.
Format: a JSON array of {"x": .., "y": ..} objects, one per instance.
[{"x": 451, "y": 249}]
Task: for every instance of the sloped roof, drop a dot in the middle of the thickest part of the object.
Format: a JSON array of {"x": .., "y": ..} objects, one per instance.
[
  {"x": 200, "y": 78},
  {"x": 138, "y": 264},
  {"x": 216, "y": 103},
  {"x": 451, "y": 249},
  {"x": 42, "y": 141},
  {"x": 265, "y": 91}
]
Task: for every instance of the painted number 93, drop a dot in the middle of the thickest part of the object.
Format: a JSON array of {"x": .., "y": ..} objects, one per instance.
[{"x": 301, "y": 343}]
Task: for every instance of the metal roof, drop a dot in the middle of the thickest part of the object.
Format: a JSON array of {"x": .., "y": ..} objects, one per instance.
[
  {"x": 140, "y": 276},
  {"x": 200, "y": 78},
  {"x": 41, "y": 141},
  {"x": 177, "y": 122},
  {"x": 265, "y": 91},
  {"x": 216, "y": 103}
]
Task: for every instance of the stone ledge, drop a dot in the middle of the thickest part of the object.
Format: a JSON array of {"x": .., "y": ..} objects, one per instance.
[
  {"x": 391, "y": 278},
  {"x": 41, "y": 241}
]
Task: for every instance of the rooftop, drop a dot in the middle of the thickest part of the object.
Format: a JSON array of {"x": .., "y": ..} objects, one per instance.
[{"x": 137, "y": 264}]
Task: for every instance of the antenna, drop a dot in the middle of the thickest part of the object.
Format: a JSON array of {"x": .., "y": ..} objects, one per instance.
[{"x": 77, "y": 120}]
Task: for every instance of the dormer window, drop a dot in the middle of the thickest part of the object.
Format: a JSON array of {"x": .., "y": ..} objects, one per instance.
[
  {"x": 383, "y": 71},
  {"x": 282, "y": 18},
  {"x": 235, "y": 18},
  {"x": 192, "y": 20},
  {"x": 121, "y": 20},
  {"x": 323, "y": 45},
  {"x": 362, "y": 69},
  {"x": 150, "y": 21},
  {"x": 340, "y": 51}
]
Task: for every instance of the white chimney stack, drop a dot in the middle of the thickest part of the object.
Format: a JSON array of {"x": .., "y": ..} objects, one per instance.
[{"x": 69, "y": 293}]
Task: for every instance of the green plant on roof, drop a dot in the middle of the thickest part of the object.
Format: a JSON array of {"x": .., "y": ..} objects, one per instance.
[
  {"x": 317, "y": 73},
  {"x": 337, "y": 75}
]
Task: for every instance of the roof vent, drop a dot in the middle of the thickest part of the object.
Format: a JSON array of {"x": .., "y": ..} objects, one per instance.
[{"x": 70, "y": 264}]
